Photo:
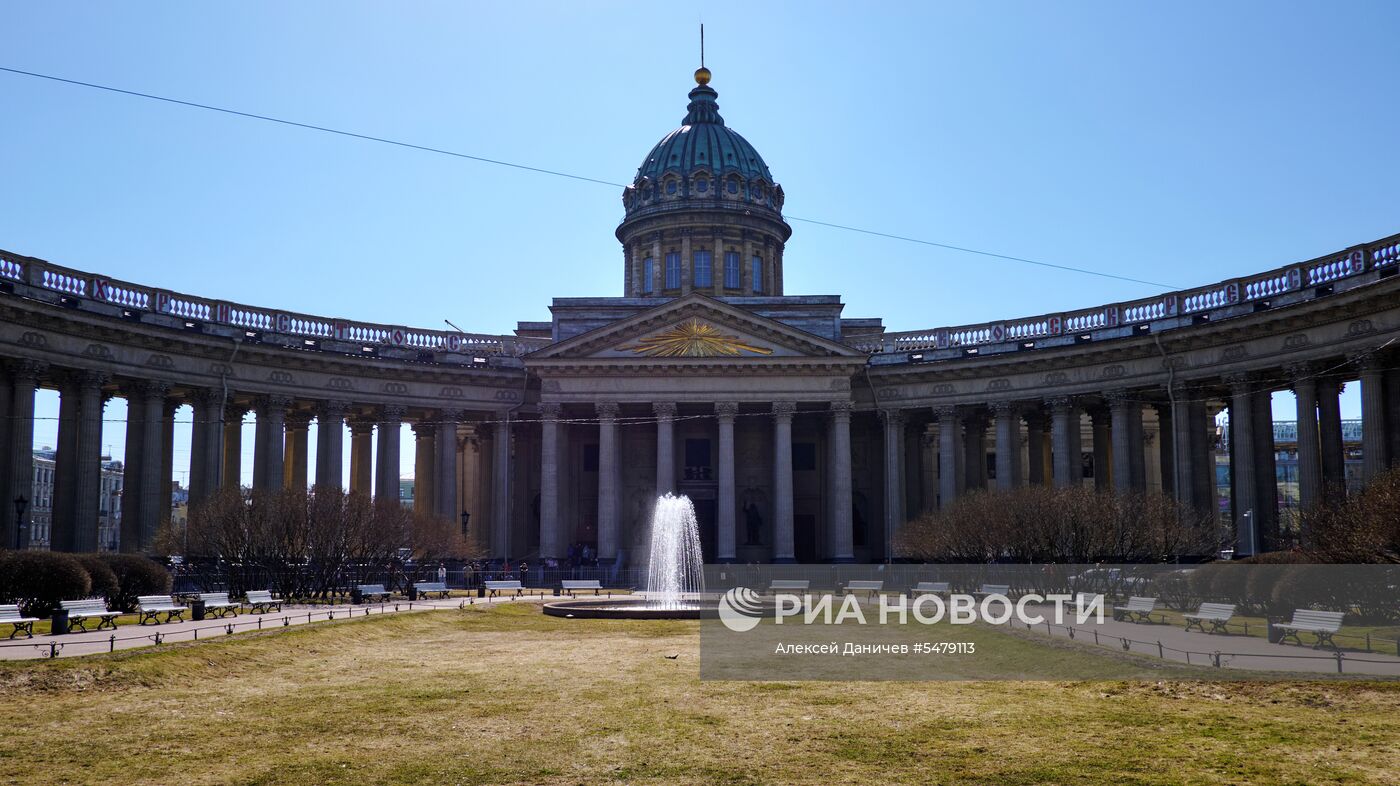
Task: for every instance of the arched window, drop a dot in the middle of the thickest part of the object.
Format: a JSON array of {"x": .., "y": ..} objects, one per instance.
[
  {"x": 671, "y": 186},
  {"x": 702, "y": 185},
  {"x": 673, "y": 270},
  {"x": 703, "y": 271},
  {"x": 648, "y": 279},
  {"x": 758, "y": 275},
  {"x": 733, "y": 185}
]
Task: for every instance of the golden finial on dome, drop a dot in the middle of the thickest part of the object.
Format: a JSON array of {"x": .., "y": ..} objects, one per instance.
[{"x": 702, "y": 74}]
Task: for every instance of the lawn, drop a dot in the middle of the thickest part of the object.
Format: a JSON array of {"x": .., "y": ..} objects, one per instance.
[{"x": 507, "y": 695}]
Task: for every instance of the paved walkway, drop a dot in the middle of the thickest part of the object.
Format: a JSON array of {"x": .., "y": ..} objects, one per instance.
[
  {"x": 1234, "y": 651},
  {"x": 131, "y": 636}
]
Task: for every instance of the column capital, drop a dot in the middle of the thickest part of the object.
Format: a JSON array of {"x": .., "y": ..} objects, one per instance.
[
  {"x": 1298, "y": 372},
  {"x": 206, "y": 397},
  {"x": 1367, "y": 360},
  {"x": 25, "y": 368},
  {"x": 360, "y": 426},
  {"x": 841, "y": 409},
  {"x": 1119, "y": 398},
  {"x": 298, "y": 420},
  {"x": 149, "y": 388},
  {"x": 664, "y": 409},
  {"x": 946, "y": 414},
  {"x": 1004, "y": 408},
  {"x": 1060, "y": 403},
  {"x": 784, "y": 409},
  {"x": 892, "y": 416},
  {"x": 726, "y": 409},
  {"x": 332, "y": 408},
  {"x": 550, "y": 410},
  {"x": 392, "y": 413},
  {"x": 1035, "y": 416},
  {"x": 451, "y": 415},
  {"x": 272, "y": 403},
  {"x": 606, "y": 410},
  {"x": 235, "y": 412},
  {"x": 1239, "y": 384},
  {"x": 91, "y": 379}
]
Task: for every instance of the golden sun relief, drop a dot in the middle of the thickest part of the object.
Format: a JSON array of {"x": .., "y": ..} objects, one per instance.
[{"x": 693, "y": 339}]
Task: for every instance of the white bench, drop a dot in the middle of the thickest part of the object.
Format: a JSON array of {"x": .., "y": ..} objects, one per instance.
[
  {"x": 262, "y": 600},
  {"x": 1003, "y": 590},
  {"x": 573, "y": 586},
  {"x": 425, "y": 587},
  {"x": 217, "y": 604},
  {"x": 25, "y": 625},
  {"x": 789, "y": 585},
  {"x": 150, "y": 607},
  {"x": 80, "y": 611},
  {"x": 931, "y": 588},
  {"x": 498, "y": 586},
  {"x": 1217, "y": 614},
  {"x": 373, "y": 591},
  {"x": 1139, "y": 609},
  {"x": 1322, "y": 624},
  {"x": 871, "y": 588}
]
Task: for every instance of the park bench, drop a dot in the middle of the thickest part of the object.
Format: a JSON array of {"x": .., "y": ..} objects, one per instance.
[
  {"x": 25, "y": 625},
  {"x": 1217, "y": 614},
  {"x": 574, "y": 586},
  {"x": 498, "y": 586},
  {"x": 789, "y": 585},
  {"x": 931, "y": 588},
  {"x": 370, "y": 591},
  {"x": 425, "y": 587},
  {"x": 262, "y": 600},
  {"x": 1139, "y": 609},
  {"x": 1003, "y": 590},
  {"x": 80, "y": 611},
  {"x": 217, "y": 604},
  {"x": 1322, "y": 624},
  {"x": 150, "y": 607},
  {"x": 871, "y": 588}
]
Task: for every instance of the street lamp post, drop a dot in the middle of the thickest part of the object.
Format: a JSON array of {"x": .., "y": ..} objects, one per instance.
[{"x": 21, "y": 504}]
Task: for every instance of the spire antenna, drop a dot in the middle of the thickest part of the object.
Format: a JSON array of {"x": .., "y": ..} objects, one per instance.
[{"x": 702, "y": 44}]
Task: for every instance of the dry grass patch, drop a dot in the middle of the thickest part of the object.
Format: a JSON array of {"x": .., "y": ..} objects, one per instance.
[{"x": 507, "y": 695}]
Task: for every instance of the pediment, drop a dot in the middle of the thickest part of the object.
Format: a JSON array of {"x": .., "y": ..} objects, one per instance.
[{"x": 694, "y": 328}]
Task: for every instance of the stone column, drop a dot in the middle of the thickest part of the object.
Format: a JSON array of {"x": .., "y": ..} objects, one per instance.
[
  {"x": 1374, "y": 457},
  {"x": 65, "y": 472},
  {"x": 686, "y": 262},
  {"x": 447, "y": 504},
  {"x": 204, "y": 406},
  {"x": 362, "y": 457},
  {"x": 894, "y": 473},
  {"x": 840, "y": 536},
  {"x": 1309, "y": 447},
  {"x": 975, "y": 446},
  {"x": 134, "y": 455},
  {"x": 152, "y": 398},
  {"x": 1008, "y": 420},
  {"x": 425, "y": 468},
  {"x": 665, "y": 448},
  {"x": 330, "y": 445},
  {"x": 658, "y": 266},
  {"x": 269, "y": 441},
  {"x": 1035, "y": 446},
  {"x": 1103, "y": 448},
  {"x": 500, "y": 487},
  {"x": 90, "y": 408},
  {"x": 949, "y": 456},
  {"x": 1329, "y": 416},
  {"x": 1137, "y": 457},
  {"x": 167, "y": 460},
  {"x": 7, "y": 510},
  {"x": 231, "y": 468},
  {"x": 1266, "y": 472},
  {"x": 725, "y": 413},
  {"x": 607, "y": 481},
  {"x": 1166, "y": 448},
  {"x": 390, "y": 423},
  {"x": 1244, "y": 485},
  {"x": 783, "y": 548},
  {"x": 550, "y": 545},
  {"x": 297, "y": 445},
  {"x": 1121, "y": 409},
  {"x": 1064, "y": 427}
]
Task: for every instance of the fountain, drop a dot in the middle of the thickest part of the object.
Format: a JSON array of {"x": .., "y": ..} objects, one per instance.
[{"x": 675, "y": 575}]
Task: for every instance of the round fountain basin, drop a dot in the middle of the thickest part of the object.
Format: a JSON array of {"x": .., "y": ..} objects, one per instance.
[{"x": 639, "y": 609}]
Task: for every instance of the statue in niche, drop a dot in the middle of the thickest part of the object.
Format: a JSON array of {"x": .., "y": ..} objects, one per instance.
[{"x": 753, "y": 525}]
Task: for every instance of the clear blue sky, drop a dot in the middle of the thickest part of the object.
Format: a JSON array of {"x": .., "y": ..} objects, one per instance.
[{"x": 1184, "y": 143}]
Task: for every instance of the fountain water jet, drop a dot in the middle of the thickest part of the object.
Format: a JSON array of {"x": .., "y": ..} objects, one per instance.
[{"x": 674, "y": 565}]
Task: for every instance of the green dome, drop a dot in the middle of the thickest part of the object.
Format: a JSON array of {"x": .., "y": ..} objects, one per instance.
[{"x": 702, "y": 161}]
